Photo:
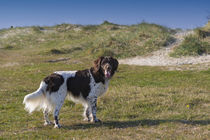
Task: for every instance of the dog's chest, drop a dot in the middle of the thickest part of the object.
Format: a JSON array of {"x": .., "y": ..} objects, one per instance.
[{"x": 99, "y": 89}]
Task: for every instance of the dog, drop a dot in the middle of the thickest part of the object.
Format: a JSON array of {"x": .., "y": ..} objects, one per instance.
[{"x": 83, "y": 86}]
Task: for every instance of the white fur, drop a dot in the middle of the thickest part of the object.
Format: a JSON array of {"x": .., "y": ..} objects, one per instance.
[
  {"x": 97, "y": 89},
  {"x": 79, "y": 99},
  {"x": 41, "y": 99},
  {"x": 35, "y": 100}
]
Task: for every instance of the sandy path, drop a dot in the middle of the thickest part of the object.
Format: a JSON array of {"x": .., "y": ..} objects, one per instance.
[{"x": 162, "y": 58}]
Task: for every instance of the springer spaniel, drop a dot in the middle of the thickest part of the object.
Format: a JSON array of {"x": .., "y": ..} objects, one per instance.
[{"x": 83, "y": 86}]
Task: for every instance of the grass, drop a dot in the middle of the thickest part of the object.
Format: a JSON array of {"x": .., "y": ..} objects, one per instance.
[
  {"x": 195, "y": 45},
  {"x": 191, "y": 46},
  {"x": 141, "y": 103}
]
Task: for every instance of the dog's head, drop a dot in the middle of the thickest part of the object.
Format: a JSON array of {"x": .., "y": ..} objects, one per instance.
[{"x": 106, "y": 66}]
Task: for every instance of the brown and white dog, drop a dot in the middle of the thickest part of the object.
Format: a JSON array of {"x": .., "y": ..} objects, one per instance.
[{"x": 83, "y": 86}]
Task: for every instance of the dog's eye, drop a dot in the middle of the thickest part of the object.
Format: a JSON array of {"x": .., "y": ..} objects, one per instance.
[{"x": 104, "y": 62}]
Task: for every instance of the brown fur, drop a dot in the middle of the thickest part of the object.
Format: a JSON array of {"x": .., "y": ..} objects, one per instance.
[
  {"x": 53, "y": 81},
  {"x": 79, "y": 83}
]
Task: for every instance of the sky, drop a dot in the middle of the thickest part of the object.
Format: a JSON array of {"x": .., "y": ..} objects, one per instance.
[{"x": 185, "y": 14}]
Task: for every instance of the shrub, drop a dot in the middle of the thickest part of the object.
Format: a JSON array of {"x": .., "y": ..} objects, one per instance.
[
  {"x": 65, "y": 50},
  {"x": 107, "y": 23},
  {"x": 37, "y": 29},
  {"x": 169, "y": 40},
  {"x": 56, "y": 51},
  {"x": 202, "y": 33},
  {"x": 9, "y": 47},
  {"x": 90, "y": 28}
]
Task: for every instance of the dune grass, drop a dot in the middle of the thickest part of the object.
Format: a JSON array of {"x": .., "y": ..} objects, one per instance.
[
  {"x": 196, "y": 44},
  {"x": 93, "y": 40},
  {"x": 191, "y": 46}
]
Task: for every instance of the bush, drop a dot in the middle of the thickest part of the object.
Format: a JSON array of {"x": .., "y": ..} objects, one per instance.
[
  {"x": 8, "y": 47},
  {"x": 202, "y": 33},
  {"x": 37, "y": 29},
  {"x": 107, "y": 23},
  {"x": 56, "y": 51},
  {"x": 169, "y": 40},
  {"x": 65, "y": 50},
  {"x": 90, "y": 28}
]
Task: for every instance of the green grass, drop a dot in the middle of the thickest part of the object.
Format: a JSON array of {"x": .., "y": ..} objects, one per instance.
[
  {"x": 191, "y": 46},
  {"x": 194, "y": 45},
  {"x": 141, "y": 103}
]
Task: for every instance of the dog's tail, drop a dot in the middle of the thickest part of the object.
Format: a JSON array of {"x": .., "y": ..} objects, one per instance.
[{"x": 35, "y": 100}]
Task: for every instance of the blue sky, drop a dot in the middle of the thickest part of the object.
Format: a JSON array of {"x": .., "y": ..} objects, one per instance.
[{"x": 171, "y": 13}]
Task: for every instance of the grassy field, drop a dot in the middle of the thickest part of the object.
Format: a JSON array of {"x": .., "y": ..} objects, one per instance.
[{"x": 141, "y": 103}]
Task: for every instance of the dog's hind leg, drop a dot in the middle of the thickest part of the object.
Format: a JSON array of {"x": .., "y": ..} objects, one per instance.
[
  {"x": 87, "y": 113},
  {"x": 57, "y": 110},
  {"x": 46, "y": 119}
]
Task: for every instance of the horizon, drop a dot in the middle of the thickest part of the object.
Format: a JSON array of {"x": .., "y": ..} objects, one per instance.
[{"x": 172, "y": 14}]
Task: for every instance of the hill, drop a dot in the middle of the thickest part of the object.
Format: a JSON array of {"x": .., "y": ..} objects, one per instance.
[{"x": 67, "y": 40}]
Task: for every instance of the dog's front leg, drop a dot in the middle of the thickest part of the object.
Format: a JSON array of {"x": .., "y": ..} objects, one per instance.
[{"x": 93, "y": 105}]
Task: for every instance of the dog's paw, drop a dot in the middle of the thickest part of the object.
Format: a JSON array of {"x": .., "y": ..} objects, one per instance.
[
  {"x": 86, "y": 119},
  {"x": 96, "y": 121},
  {"x": 47, "y": 123},
  {"x": 57, "y": 126}
]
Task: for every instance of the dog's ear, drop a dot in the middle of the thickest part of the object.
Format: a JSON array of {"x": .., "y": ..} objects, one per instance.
[
  {"x": 115, "y": 63},
  {"x": 97, "y": 63}
]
